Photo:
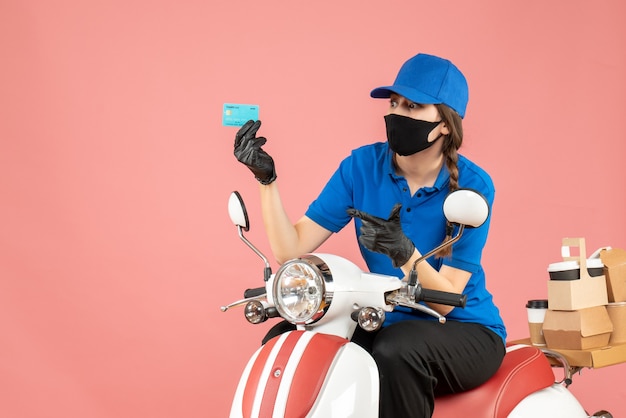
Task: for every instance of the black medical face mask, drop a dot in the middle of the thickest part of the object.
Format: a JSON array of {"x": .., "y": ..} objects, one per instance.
[{"x": 407, "y": 136}]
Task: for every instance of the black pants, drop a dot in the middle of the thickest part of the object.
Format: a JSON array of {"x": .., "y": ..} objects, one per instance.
[{"x": 419, "y": 360}]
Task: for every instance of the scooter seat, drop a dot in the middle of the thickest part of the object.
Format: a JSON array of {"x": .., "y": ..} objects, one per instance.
[{"x": 524, "y": 370}]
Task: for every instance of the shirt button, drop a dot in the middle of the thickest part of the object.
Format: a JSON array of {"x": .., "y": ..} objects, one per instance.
[
  {"x": 404, "y": 190},
  {"x": 419, "y": 195},
  {"x": 408, "y": 209}
]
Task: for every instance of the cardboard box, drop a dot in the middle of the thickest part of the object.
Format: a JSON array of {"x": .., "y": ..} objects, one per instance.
[
  {"x": 595, "y": 357},
  {"x": 577, "y": 330},
  {"x": 572, "y": 295},
  {"x": 617, "y": 313},
  {"x": 614, "y": 260}
]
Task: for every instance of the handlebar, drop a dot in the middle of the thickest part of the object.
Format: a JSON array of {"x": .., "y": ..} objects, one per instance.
[
  {"x": 252, "y": 293},
  {"x": 444, "y": 298}
]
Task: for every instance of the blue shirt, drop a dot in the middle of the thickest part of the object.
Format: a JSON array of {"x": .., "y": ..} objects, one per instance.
[{"x": 366, "y": 180}]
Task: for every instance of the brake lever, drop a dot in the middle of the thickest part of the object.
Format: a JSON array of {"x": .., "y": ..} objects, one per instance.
[
  {"x": 242, "y": 302},
  {"x": 402, "y": 299}
]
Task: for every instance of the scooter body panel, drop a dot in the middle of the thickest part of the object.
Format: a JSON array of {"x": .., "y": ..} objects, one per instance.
[
  {"x": 303, "y": 373},
  {"x": 555, "y": 401},
  {"x": 351, "y": 387}
]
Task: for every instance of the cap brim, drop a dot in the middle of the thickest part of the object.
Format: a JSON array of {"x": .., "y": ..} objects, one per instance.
[{"x": 412, "y": 94}]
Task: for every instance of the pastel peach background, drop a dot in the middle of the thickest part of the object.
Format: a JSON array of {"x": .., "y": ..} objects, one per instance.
[{"x": 116, "y": 250}]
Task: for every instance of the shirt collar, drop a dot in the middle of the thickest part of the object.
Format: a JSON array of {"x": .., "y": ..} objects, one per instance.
[{"x": 442, "y": 178}]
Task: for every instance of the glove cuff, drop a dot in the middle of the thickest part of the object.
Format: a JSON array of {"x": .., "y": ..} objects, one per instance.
[
  {"x": 401, "y": 257},
  {"x": 270, "y": 180}
]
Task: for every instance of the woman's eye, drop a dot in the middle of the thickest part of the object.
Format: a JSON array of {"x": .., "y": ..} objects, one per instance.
[
  {"x": 393, "y": 103},
  {"x": 413, "y": 106}
]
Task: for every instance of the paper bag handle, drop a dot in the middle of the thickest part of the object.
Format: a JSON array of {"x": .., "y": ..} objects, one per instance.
[{"x": 582, "y": 254}]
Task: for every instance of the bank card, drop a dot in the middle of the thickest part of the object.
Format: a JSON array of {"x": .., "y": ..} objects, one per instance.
[{"x": 234, "y": 114}]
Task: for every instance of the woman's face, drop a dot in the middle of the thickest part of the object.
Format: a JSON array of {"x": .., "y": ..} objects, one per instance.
[{"x": 402, "y": 106}]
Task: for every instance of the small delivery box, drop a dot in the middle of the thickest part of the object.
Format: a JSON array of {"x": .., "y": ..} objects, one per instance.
[
  {"x": 577, "y": 330},
  {"x": 570, "y": 293},
  {"x": 614, "y": 260},
  {"x": 617, "y": 313}
]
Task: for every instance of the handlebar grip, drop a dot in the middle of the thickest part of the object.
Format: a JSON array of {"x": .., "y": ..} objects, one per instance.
[
  {"x": 444, "y": 298},
  {"x": 251, "y": 293}
]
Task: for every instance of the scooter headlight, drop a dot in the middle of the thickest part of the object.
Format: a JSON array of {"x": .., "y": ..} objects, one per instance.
[{"x": 301, "y": 290}]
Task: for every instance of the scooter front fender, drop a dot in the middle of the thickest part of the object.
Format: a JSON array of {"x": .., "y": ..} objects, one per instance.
[{"x": 304, "y": 373}]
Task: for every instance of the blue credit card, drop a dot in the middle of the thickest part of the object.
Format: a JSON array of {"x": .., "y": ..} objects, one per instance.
[{"x": 237, "y": 114}]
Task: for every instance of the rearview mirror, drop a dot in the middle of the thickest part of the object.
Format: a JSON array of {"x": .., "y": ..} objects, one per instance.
[
  {"x": 466, "y": 207},
  {"x": 237, "y": 211}
]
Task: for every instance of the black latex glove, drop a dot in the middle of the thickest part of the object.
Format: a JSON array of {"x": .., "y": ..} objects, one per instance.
[
  {"x": 249, "y": 152},
  {"x": 385, "y": 236}
]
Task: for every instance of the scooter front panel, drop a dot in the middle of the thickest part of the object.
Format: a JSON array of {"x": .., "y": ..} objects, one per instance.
[
  {"x": 311, "y": 371},
  {"x": 251, "y": 380},
  {"x": 351, "y": 389},
  {"x": 287, "y": 375}
]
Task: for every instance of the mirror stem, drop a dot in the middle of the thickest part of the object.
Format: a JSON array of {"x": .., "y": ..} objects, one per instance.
[
  {"x": 413, "y": 273},
  {"x": 268, "y": 269}
]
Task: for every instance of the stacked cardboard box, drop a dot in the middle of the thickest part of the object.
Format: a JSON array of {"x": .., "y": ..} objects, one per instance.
[
  {"x": 614, "y": 260},
  {"x": 583, "y": 310},
  {"x": 577, "y": 316}
]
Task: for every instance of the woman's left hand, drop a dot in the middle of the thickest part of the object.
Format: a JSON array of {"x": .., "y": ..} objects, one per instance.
[{"x": 385, "y": 236}]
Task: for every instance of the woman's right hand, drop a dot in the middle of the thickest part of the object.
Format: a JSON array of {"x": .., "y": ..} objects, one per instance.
[{"x": 249, "y": 152}]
